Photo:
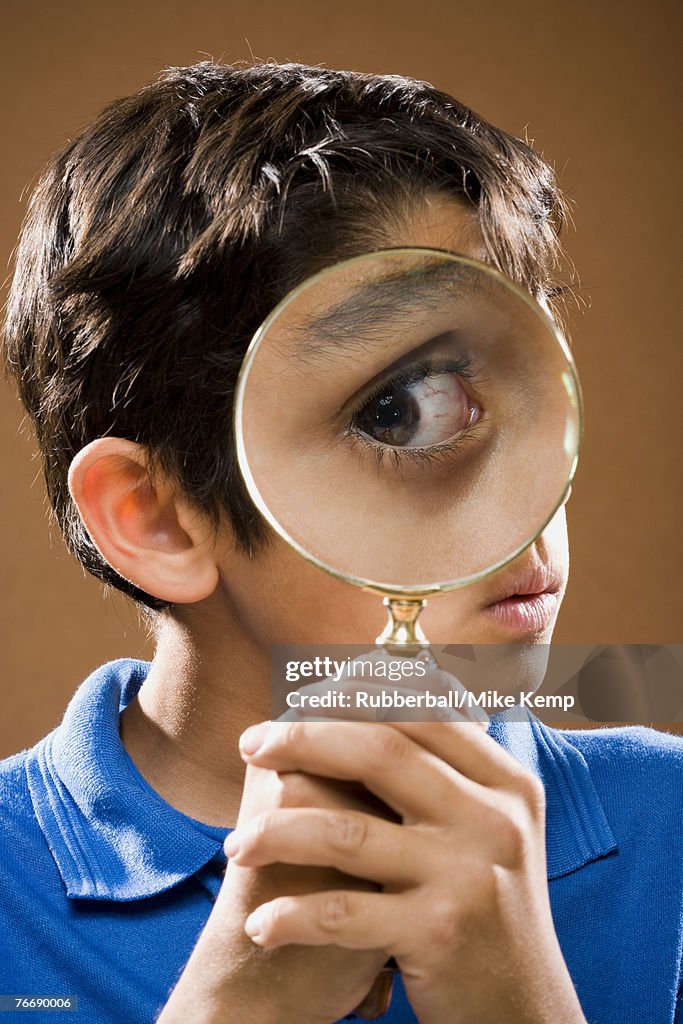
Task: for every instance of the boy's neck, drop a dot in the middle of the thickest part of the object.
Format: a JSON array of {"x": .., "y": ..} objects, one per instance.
[{"x": 204, "y": 688}]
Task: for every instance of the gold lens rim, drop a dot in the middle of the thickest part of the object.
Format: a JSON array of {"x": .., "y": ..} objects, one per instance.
[{"x": 375, "y": 586}]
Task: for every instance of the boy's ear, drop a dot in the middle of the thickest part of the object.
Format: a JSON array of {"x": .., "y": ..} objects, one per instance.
[{"x": 143, "y": 527}]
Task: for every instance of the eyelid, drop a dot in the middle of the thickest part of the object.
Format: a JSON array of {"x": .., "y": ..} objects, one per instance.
[
  {"x": 416, "y": 372},
  {"x": 403, "y": 457}
]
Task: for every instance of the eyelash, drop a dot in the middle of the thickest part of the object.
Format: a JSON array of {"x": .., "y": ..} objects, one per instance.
[
  {"x": 421, "y": 456},
  {"x": 413, "y": 374}
]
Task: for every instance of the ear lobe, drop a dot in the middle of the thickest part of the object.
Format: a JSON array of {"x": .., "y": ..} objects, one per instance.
[{"x": 143, "y": 527}]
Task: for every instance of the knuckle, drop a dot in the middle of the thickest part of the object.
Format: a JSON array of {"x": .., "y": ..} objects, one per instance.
[
  {"x": 272, "y": 922},
  {"x": 387, "y": 747},
  {"x": 295, "y": 790},
  {"x": 513, "y": 838},
  {"x": 535, "y": 793},
  {"x": 346, "y": 831},
  {"x": 261, "y": 827},
  {"x": 291, "y": 734},
  {"x": 529, "y": 786},
  {"x": 334, "y": 911}
]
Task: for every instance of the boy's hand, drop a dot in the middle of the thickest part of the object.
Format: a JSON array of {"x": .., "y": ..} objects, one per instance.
[
  {"x": 228, "y": 977},
  {"x": 464, "y": 905}
]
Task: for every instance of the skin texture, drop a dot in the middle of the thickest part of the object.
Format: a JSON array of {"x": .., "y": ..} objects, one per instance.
[{"x": 444, "y": 820}]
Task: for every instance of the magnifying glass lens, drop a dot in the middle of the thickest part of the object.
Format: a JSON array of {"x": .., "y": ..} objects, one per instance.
[{"x": 408, "y": 420}]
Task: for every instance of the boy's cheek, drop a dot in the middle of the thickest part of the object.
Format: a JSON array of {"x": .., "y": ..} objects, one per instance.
[
  {"x": 281, "y": 598},
  {"x": 555, "y": 541}
]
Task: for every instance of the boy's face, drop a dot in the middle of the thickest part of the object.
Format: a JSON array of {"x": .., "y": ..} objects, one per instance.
[{"x": 280, "y": 598}]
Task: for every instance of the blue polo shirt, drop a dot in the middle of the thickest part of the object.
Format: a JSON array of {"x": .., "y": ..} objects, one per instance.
[{"x": 105, "y": 887}]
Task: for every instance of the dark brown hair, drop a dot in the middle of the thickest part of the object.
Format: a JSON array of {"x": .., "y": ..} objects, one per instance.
[{"x": 159, "y": 239}]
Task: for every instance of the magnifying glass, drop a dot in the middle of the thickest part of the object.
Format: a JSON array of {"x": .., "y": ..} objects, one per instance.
[{"x": 409, "y": 421}]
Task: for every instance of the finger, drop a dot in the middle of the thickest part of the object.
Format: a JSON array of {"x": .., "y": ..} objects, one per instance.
[
  {"x": 354, "y": 843},
  {"x": 266, "y": 790},
  {"x": 340, "y": 918},
  {"x": 470, "y": 751},
  {"x": 422, "y": 670},
  {"x": 402, "y": 773},
  {"x": 471, "y": 711}
]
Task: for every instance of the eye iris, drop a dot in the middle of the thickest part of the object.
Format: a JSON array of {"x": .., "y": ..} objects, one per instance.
[{"x": 391, "y": 418}]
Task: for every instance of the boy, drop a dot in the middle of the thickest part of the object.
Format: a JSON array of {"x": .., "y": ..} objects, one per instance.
[{"x": 533, "y": 877}]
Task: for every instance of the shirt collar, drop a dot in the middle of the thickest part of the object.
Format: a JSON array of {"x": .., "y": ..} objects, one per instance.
[
  {"x": 577, "y": 830},
  {"x": 113, "y": 837}
]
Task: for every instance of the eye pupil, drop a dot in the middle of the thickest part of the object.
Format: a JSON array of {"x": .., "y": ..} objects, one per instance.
[
  {"x": 389, "y": 411},
  {"x": 390, "y": 417}
]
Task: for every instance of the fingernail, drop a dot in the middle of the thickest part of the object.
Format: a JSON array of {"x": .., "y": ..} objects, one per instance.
[
  {"x": 232, "y": 845},
  {"x": 253, "y": 737},
  {"x": 254, "y": 924}
]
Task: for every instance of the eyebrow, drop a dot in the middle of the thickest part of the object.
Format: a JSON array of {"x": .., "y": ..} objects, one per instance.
[{"x": 354, "y": 321}]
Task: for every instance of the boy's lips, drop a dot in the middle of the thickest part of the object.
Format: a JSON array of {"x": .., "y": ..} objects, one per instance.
[{"x": 527, "y": 602}]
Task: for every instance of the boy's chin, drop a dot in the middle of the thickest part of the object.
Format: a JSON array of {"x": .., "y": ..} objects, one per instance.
[{"x": 506, "y": 668}]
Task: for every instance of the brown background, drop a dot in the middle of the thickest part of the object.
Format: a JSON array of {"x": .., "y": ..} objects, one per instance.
[{"x": 593, "y": 84}]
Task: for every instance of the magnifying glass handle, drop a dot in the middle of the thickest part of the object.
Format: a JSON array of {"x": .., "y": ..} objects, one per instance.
[
  {"x": 402, "y": 630},
  {"x": 378, "y": 999}
]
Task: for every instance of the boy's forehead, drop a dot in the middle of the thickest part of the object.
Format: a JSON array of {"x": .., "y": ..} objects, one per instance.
[
  {"x": 383, "y": 288},
  {"x": 441, "y": 222}
]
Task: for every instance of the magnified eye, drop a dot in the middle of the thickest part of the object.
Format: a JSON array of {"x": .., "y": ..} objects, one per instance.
[{"x": 422, "y": 406}]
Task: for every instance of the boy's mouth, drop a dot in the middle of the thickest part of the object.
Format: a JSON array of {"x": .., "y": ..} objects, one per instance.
[{"x": 527, "y": 602}]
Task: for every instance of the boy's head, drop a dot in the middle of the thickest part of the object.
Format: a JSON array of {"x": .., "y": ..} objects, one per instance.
[{"x": 160, "y": 238}]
